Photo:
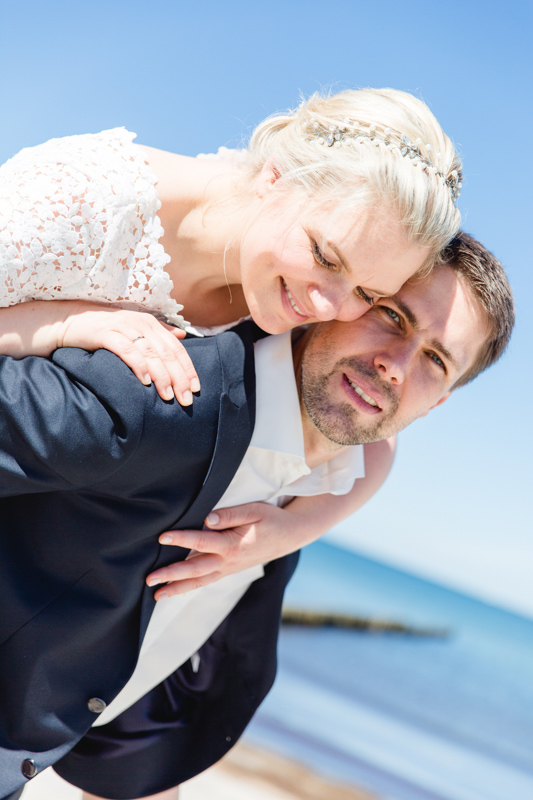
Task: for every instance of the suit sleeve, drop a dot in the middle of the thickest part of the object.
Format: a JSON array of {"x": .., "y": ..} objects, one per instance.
[{"x": 58, "y": 432}]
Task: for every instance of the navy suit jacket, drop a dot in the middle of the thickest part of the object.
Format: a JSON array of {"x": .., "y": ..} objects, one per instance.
[{"x": 93, "y": 466}]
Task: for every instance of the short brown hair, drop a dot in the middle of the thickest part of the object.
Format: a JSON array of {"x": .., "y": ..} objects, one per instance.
[{"x": 488, "y": 283}]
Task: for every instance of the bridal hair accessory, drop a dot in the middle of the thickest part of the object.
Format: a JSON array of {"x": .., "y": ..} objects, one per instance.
[{"x": 352, "y": 132}]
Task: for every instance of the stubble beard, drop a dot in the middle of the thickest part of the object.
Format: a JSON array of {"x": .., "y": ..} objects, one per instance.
[{"x": 341, "y": 422}]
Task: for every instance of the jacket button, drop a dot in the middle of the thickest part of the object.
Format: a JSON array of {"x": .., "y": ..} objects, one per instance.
[
  {"x": 96, "y": 705},
  {"x": 29, "y": 770}
]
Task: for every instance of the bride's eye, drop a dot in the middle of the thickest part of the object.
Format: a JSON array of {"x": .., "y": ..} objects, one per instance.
[
  {"x": 364, "y": 296},
  {"x": 320, "y": 258}
]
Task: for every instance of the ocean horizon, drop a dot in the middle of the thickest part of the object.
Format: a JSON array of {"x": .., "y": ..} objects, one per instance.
[{"x": 406, "y": 717}]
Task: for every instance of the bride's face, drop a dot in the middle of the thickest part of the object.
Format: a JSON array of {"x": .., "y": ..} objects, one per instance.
[{"x": 302, "y": 262}]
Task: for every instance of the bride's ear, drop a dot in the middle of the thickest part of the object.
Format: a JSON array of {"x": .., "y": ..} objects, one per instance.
[{"x": 266, "y": 179}]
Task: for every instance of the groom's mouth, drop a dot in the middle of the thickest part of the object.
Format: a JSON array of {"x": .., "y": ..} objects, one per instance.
[{"x": 362, "y": 396}]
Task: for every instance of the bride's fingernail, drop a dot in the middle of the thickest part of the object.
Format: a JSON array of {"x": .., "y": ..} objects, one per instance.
[
  {"x": 147, "y": 380},
  {"x": 195, "y": 385},
  {"x": 153, "y": 581},
  {"x": 162, "y": 596},
  {"x": 187, "y": 398},
  {"x": 166, "y": 539},
  {"x": 212, "y": 518}
]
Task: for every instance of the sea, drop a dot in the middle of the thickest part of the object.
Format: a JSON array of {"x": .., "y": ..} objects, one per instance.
[{"x": 405, "y": 717}]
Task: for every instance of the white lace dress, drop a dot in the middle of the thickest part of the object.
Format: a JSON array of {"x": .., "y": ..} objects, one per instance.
[{"x": 78, "y": 220}]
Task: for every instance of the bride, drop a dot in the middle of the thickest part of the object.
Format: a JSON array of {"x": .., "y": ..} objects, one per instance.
[{"x": 330, "y": 207}]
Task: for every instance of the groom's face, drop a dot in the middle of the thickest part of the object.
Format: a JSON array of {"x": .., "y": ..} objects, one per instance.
[{"x": 365, "y": 380}]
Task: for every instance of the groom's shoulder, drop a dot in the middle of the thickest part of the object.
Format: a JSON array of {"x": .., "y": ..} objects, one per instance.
[
  {"x": 233, "y": 351},
  {"x": 225, "y": 367},
  {"x": 223, "y": 360},
  {"x": 160, "y": 430}
]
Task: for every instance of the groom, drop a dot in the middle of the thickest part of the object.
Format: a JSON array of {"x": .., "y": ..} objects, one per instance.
[{"x": 93, "y": 466}]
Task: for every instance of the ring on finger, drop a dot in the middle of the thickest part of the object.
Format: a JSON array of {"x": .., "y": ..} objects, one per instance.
[{"x": 136, "y": 338}]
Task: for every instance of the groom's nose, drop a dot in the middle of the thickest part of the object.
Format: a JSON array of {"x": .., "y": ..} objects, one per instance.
[{"x": 394, "y": 362}]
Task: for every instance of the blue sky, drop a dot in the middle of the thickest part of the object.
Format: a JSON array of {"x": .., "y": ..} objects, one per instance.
[{"x": 190, "y": 77}]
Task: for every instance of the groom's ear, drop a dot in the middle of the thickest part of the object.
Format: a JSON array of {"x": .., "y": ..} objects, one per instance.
[
  {"x": 266, "y": 179},
  {"x": 438, "y": 403}
]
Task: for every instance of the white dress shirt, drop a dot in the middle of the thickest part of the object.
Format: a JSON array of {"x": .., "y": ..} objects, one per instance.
[{"x": 273, "y": 470}]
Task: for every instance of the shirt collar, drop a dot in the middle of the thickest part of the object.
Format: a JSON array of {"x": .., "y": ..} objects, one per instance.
[{"x": 278, "y": 419}]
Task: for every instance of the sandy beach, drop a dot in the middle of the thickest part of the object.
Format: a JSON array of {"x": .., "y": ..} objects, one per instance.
[{"x": 246, "y": 773}]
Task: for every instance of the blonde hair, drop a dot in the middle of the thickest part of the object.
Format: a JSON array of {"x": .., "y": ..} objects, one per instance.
[{"x": 362, "y": 168}]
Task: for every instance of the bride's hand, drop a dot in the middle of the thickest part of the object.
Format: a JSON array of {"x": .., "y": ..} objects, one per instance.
[
  {"x": 247, "y": 535},
  {"x": 150, "y": 348},
  {"x": 256, "y": 533}
]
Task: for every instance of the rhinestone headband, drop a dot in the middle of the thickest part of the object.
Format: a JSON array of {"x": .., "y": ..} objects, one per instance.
[{"x": 334, "y": 136}]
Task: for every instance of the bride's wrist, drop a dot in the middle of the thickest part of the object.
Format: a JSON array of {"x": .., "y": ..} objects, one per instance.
[{"x": 64, "y": 326}]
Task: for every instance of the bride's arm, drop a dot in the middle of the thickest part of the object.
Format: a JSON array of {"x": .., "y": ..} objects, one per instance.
[
  {"x": 151, "y": 349},
  {"x": 256, "y": 533}
]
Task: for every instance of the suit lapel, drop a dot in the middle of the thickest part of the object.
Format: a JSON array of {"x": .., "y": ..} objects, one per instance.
[{"x": 235, "y": 427}]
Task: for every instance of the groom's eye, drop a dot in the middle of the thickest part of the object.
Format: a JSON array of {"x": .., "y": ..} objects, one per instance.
[
  {"x": 395, "y": 317},
  {"x": 438, "y": 361}
]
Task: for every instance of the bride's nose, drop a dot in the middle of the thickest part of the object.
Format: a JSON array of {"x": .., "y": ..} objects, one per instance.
[{"x": 336, "y": 303}]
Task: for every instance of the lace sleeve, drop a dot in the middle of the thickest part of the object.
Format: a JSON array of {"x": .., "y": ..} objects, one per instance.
[{"x": 78, "y": 220}]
